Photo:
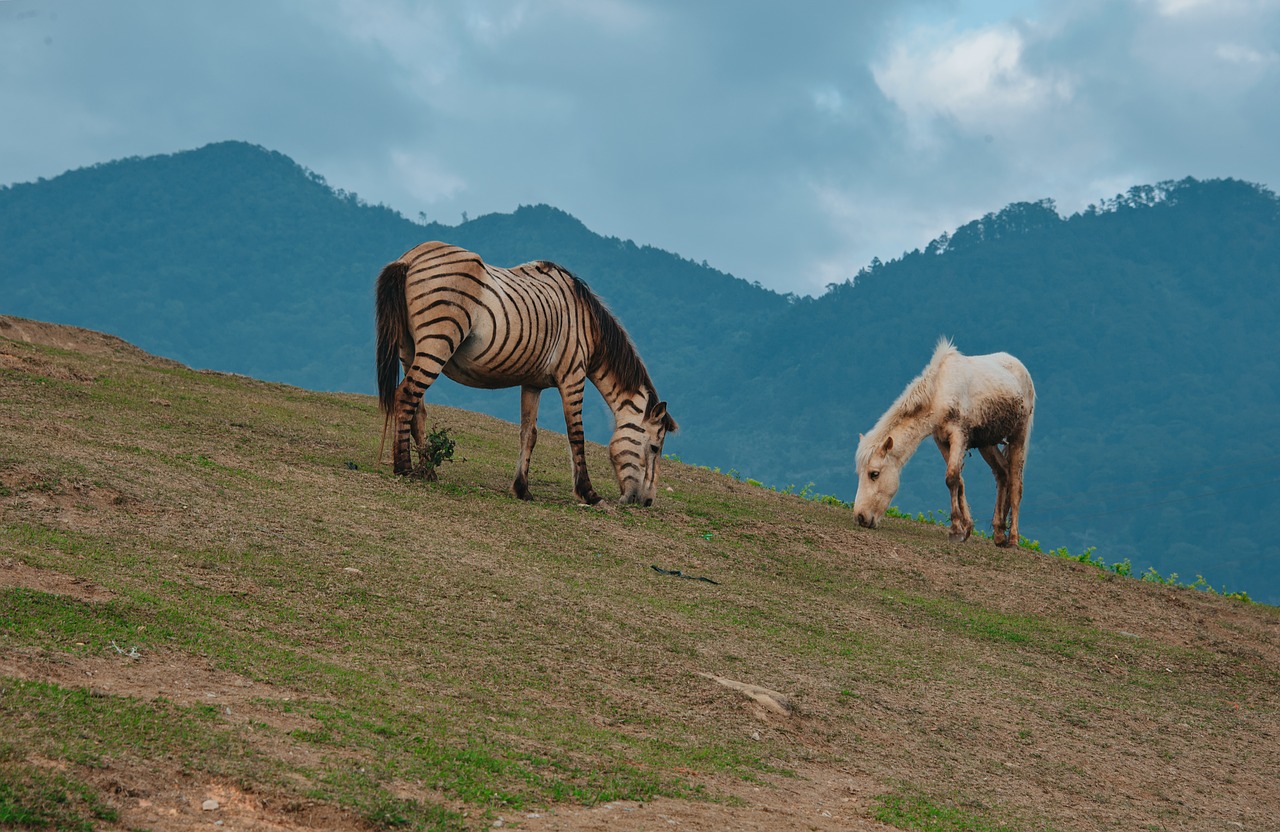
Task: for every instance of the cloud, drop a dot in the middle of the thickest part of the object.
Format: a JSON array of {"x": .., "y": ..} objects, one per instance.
[{"x": 975, "y": 79}]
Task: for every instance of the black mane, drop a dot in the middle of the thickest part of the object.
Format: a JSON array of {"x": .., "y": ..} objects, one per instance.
[{"x": 614, "y": 347}]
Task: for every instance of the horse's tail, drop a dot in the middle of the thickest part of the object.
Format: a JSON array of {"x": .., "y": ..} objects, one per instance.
[{"x": 392, "y": 313}]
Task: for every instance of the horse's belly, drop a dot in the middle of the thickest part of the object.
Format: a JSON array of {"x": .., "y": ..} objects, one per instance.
[
  {"x": 466, "y": 374},
  {"x": 476, "y": 366},
  {"x": 1001, "y": 423},
  {"x": 986, "y": 436}
]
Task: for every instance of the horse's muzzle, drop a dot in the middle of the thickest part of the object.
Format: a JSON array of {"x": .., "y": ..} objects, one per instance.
[{"x": 866, "y": 521}]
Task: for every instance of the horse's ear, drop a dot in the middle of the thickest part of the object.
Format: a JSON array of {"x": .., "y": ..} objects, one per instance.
[
  {"x": 888, "y": 444},
  {"x": 660, "y": 414}
]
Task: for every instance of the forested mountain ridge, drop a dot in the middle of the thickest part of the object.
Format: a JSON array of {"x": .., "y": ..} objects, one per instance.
[
  {"x": 234, "y": 257},
  {"x": 1148, "y": 323}
]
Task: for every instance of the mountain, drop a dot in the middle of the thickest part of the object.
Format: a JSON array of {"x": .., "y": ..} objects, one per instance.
[{"x": 1148, "y": 322}]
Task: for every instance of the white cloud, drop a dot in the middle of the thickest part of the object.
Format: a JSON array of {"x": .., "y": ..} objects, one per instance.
[{"x": 974, "y": 79}]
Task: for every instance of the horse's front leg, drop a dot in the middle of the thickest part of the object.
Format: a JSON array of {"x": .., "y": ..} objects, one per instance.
[
  {"x": 1000, "y": 468},
  {"x": 571, "y": 390},
  {"x": 952, "y": 448},
  {"x": 529, "y": 397}
]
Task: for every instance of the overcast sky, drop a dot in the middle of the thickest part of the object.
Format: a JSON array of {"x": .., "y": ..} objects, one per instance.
[{"x": 787, "y": 143}]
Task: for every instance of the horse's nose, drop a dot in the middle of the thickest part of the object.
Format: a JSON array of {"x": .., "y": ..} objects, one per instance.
[
  {"x": 865, "y": 521},
  {"x": 648, "y": 502}
]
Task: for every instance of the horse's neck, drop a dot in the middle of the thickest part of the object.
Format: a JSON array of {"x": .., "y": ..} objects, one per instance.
[
  {"x": 908, "y": 433},
  {"x": 621, "y": 402}
]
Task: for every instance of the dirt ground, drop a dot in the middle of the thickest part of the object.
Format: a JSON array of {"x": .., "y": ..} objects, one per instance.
[{"x": 819, "y": 797}]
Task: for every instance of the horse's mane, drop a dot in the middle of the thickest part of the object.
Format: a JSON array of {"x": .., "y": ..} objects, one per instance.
[
  {"x": 614, "y": 348},
  {"x": 917, "y": 397}
]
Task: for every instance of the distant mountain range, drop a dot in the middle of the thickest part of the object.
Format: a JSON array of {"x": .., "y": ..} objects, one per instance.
[{"x": 1149, "y": 323}]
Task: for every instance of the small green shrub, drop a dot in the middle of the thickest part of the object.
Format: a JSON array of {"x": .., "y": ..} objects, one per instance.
[{"x": 436, "y": 449}]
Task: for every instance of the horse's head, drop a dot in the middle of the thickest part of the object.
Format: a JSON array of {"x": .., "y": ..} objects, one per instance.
[
  {"x": 636, "y": 447},
  {"x": 879, "y": 471}
]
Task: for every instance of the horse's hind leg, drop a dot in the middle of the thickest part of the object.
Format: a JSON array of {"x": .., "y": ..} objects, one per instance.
[
  {"x": 961, "y": 521},
  {"x": 528, "y": 438},
  {"x": 421, "y": 370},
  {"x": 1000, "y": 468},
  {"x": 409, "y": 417},
  {"x": 1016, "y": 453},
  {"x": 418, "y": 426}
]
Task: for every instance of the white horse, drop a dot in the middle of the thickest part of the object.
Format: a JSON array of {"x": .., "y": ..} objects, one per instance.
[{"x": 981, "y": 401}]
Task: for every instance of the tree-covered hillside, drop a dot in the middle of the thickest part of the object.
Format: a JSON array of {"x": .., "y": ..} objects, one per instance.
[{"x": 1147, "y": 322}]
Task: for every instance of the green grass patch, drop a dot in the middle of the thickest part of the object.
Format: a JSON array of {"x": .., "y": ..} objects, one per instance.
[
  {"x": 87, "y": 728},
  {"x": 35, "y": 798},
  {"x": 921, "y": 814},
  {"x": 980, "y": 623},
  {"x": 57, "y": 622}
]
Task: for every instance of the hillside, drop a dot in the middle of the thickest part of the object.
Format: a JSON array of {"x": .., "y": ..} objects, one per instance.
[
  {"x": 211, "y": 591},
  {"x": 1147, "y": 322}
]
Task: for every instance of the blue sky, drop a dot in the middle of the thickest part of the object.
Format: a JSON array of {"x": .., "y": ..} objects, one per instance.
[{"x": 787, "y": 143}]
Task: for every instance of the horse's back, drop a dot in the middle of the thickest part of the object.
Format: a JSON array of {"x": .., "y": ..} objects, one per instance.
[
  {"x": 432, "y": 262},
  {"x": 433, "y": 248},
  {"x": 991, "y": 396},
  {"x": 999, "y": 373}
]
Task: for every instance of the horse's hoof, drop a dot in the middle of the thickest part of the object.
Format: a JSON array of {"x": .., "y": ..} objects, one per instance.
[
  {"x": 1005, "y": 544},
  {"x": 957, "y": 537}
]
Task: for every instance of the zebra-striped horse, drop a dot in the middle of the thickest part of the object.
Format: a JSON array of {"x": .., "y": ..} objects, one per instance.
[{"x": 441, "y": 309}]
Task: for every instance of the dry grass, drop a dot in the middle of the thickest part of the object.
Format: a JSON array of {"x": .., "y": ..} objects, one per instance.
[{"x": 209, "y": 587}]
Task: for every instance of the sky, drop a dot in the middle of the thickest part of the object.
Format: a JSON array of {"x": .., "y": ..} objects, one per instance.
[{"x": 785, "y": 143}]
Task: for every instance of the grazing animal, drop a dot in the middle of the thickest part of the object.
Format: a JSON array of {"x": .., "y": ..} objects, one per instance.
[
  {"x": 980, "y": 401},
  {"x": 441, "y": 309}
]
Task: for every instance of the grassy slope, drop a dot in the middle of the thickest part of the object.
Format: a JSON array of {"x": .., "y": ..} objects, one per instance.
[{"x": 438, "y": 655}]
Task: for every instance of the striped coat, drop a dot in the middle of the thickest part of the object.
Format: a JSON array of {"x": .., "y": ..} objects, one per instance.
[{"x": 441, "y": 309}]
